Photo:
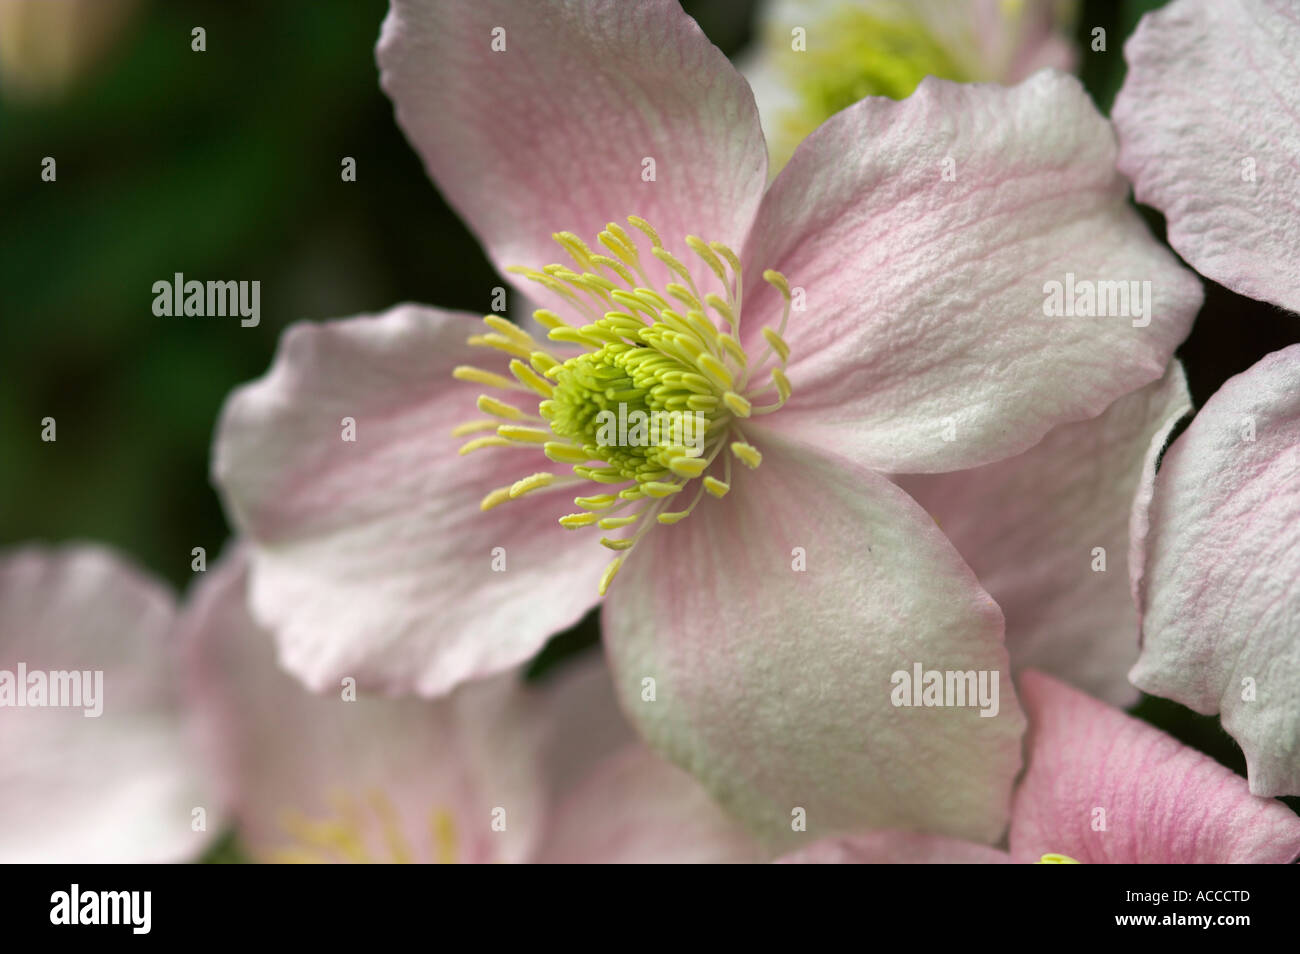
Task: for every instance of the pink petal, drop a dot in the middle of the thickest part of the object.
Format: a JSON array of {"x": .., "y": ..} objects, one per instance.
[
  {"x": 773, "y": 686},
  {"x": 636, "y": 808},
  {"x": 1159, "y": 801},
  {"x": 1221, "y": 593},
  {"x": 1209, "y": 126},
  {"x": 924, "y": 346},
  {"x": 372, "y": 559},
  {"x": 113, "y": 788},
  {"x": 895, "y": 848},
  {"x": 437, "y": 770},
  {"x": 551, "y": 133},
  {"x": 1030, "y": 527}
]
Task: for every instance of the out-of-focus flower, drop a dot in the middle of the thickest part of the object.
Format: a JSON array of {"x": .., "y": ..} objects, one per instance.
[
  {"x": 816, "y": 57},
  {"x": 97, "y": 764},
  {"x": 1209, "y": 127},
  {"x": 1209, "y": 134},
  {"x": 1104, "y": 788},
  {"x": 1218, "y": 571},
  {"x": 1047, "y": 533},
  {"x": 47, "y": 45},
  {"x": 742, "y": 636},
  {"x": 496, "y": 771}
]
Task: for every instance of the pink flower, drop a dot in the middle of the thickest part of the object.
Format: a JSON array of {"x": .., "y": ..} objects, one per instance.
[
  {"x": 1208, "y": 120},
  {"x": 96, "y": 760},
  {"x": 1047, "y": 533},
  {"x": 1104, "y": 788},
  {"x": 812, "y": 58},
  {"x": 753, "y": 640},
  {"x": 494, "y": 772}
]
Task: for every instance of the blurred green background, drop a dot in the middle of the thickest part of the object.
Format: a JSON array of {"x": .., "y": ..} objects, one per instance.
[{"x": 225, "y": 164}]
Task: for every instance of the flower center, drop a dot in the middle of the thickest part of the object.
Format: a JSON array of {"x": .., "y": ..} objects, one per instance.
[
  {"x": 655, "y": 395},
  {"x": 357, "y": 829},
  {"x": 856, "y": 52}
]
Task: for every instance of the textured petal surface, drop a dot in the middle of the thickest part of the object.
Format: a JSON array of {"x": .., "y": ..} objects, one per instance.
[
  {"x": 119, "y": 787},
  {"x": 1030, "y": 526},
  {"x": 636, "y": 808},
  {"x": 773, "y": 685},
  {"x": 554, "y": 131},
  {"x": 924, "y": 345},
  {"x": 313, "y": 777},
  {"x": 895, "y": 848},
  {"x": 1221, "y": 593},
  {"x": 1209, "y": 127},
  {"x": 1103, "y": 787},
  {"x": 371, "y": 558}
]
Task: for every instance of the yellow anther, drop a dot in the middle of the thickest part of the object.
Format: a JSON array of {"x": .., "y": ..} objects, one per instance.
[
  {"x": 471, "y": 427},
  {"x": 531, "y": 378},
  {"x": 490, "y": 405},
  {"x": 688, "y": 467},
  {"x": 778, "y": 344},
  {"x": 496, "y": 498},
  {"x": 563, "y": 453},
  {"x": 722, "y": 308},
  {"x": 467, "y": 372},
  {"x": 530, "y": 483},
  {"x": 728, "y": 254},
  {"x": 443, "y": 829},
  {"x": 777, "y": 280},
  {"x": 543, "y": 362},
  {"x": 673, "y": 264},
  {"x": 715, "y": 370},
  {"x": 701, "y": 248},
  {"x": 716, "y": 487},
  {"x": 1055, "y": 859},
  {"x": 598, "y": 502},
  {"x": 611, "y": 571},
  {"x": 672, "y": 516},
  {"x": 510, "y": 330},
  {"x": 782, "y": 384},
  {"x": 615, "y": 523},
  {"x": 575, "y": 246},
  {"x": 625, "y": 544},
  {"x": 524, "y": 435},
  {"x": 573, "y": 521},
  {"x": 501, "y": 343},
  {"x": 733, "y": 348},
  {"x": 747, "y": 453},
  {"x": 481, "y": 442},
  {"x": 614, "y": 266},
  {"x": 549, "y": 319},
  {"x": 645, "y": 227},
  {"x": 658, "y": 488},
  {"x": 737, "y": 404}
]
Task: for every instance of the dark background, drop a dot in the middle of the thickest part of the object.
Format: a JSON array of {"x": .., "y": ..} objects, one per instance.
[{"x": 225, "y": 164}]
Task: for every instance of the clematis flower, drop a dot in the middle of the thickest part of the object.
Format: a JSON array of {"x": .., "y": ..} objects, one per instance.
[
  {"x": 815, "y": 58},
  {"x": 96, "y": 760},
  {"x": 1047, "y": 533},
  {"x": 769, "y": 585},
  {"x": 1208, "y": 127},
  {"x": 1208, "y": 124},
  {"x": 1103, "y": 788},
  {"x": 1218, "y": 570},
  {"x": 495, "y": 771}
]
